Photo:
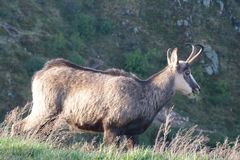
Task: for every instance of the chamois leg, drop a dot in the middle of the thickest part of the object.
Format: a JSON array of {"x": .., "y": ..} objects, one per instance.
[
  {"x": 132, "y": 141},
  {"x": 110, "y": 136}
]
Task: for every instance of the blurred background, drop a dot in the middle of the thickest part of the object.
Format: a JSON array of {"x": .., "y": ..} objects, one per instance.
[{"x": 133, "y": 35}]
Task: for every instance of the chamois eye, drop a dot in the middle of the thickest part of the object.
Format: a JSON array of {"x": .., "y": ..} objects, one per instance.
[{"x": 187, "y": 73}]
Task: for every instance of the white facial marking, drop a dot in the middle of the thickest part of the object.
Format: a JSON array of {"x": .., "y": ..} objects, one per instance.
[{"x": 182, "y": 85}]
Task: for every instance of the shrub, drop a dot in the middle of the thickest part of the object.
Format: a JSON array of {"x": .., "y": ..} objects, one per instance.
[
  {"x": 89, "y": 4},
  {"x": 76, "y": 43},
  {"x": 137, "y": 62},
  {"x": 58, "y": 44},
  {"x": 33, "y": 64},
  {"x": 105, "y": 26},
  {"x": 76, "y": 58},
  {"x": 69, "y": 8},
  {"x": 220, "y": 90},
  {"x": 85, "y": 25}
]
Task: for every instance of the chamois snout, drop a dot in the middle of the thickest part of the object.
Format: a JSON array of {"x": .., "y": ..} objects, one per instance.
[{"x": 196, "y": 89}]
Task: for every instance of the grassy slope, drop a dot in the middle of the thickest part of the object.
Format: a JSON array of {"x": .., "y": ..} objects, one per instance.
[
  {"x": 102, "y": 34},
  {"x": 25, "y": 149}
]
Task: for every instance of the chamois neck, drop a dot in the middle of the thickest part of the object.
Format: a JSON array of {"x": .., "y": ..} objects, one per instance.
[
  {"x": 162, "y": 78},
  {"x": 161, "y": 87}
]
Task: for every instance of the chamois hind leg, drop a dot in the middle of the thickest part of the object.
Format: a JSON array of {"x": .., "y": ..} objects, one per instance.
[{"x": 47, "y": 104}]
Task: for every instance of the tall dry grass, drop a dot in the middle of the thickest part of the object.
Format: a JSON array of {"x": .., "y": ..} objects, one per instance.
[
  {"x": 189, "y": 141},
  {"x": 186, "y": 142}
]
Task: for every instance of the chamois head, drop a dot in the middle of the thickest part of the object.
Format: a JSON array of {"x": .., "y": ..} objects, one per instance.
[{"x": 184, "y": 81}]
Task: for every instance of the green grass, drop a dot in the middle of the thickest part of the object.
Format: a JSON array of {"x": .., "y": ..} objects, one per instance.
[
  {"x": 12, "y": 148},
  {"x": 23, "y": 149}
]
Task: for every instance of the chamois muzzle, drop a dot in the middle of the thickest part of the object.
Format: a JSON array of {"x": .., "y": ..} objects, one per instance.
[{"x": 196, "y": 90}]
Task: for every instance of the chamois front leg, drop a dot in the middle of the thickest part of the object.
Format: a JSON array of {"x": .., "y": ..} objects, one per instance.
[
  {"x": 110, "y": 136},
  {"x": 132, "y": 141}
]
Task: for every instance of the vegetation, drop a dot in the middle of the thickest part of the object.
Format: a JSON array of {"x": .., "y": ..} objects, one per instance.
[
  {"x": 186, "y": 144},
  {"x": 19, "y": 149}
]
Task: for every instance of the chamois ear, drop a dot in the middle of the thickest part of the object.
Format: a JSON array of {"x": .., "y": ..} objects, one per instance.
[
  {"x": 169, "y": 52},
  {"x": 174, "y": 57}
]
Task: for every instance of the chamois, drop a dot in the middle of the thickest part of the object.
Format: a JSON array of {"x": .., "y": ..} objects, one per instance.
[{"x": 115, "y": 102}]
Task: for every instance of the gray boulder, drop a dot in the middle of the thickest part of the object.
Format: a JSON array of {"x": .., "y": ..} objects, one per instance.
[{"x": 212, "y": 66}]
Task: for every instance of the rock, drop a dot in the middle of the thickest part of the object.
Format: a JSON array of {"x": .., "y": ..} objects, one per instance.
[
  {"x": 185, "y": 23},
  {"x": 136, "y": 30},
  {"x": 207, "y": 3},
  {"x": 213, "y": 66},
  {"x": 236, "y": 23},
  {"x": 182, "y": 22},
  {"x": 221, "y": 6},
  {"x": 128, "y": 12},
  {"x": 125, "y": 22},
  {"x": 176, "y": 119},
  {"x": 237, "y": 28},
  {"x": 179, "y": 23},
  {"x": 10, "y": 94},
  {"x": 188, "y": 35},
  {"x": 209, "y": 70}
]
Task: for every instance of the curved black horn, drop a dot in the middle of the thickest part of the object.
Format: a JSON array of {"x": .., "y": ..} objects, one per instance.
[
  {"x": 197, "y": 54},
  {"x": 192, "y": 53}
]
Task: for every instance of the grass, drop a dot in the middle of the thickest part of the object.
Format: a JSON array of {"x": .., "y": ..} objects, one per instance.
[
  {"x": 29, "y": 149},
  {"x": 12, "y": 148},
  {"x": 16, "y": 148},
  {"x": 187, "y": 144}
]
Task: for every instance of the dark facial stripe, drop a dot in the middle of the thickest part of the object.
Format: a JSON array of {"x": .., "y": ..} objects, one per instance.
[{"x": 190, "y": 81}]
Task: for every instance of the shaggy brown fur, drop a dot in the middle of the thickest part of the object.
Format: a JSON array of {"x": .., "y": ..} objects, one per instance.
[{"x": 113, "y": 101}]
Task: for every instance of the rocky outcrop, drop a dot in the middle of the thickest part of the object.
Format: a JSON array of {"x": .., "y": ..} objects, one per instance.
[
  {"x": 212, "y": 65},
  {"x": 176, "y": 119},
  {"x": 207, "y": 3}
]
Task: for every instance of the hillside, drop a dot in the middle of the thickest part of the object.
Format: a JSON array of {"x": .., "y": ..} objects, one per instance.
[{"x": 132, "y": 35}]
